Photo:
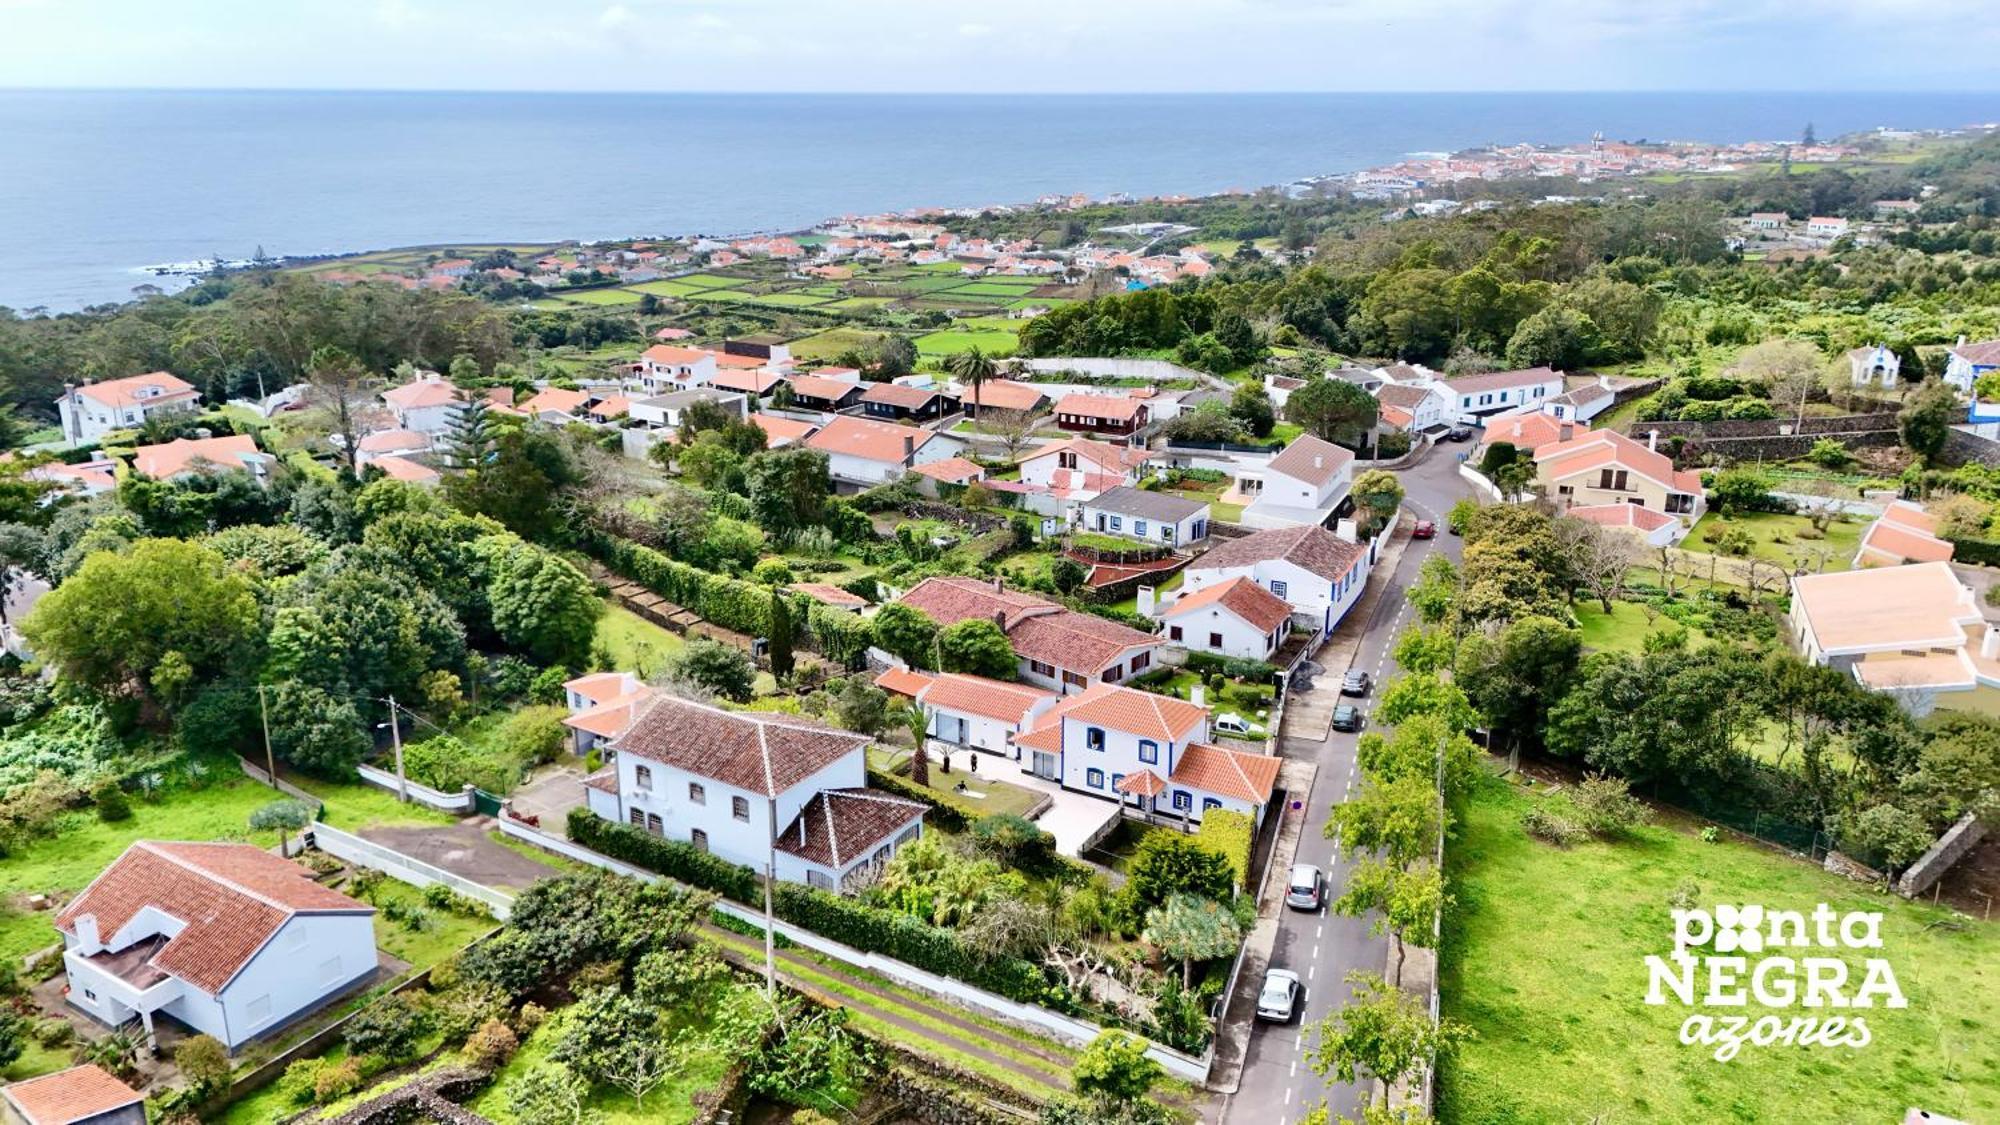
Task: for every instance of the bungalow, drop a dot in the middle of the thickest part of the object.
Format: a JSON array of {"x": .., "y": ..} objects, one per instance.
[
  {"x": 1151, "y": 517},
  {"x": 1304, "y": 485},
  {"x": 1896, "y": 208},
  {"x": 1767, "y": 220},
  {"x": 1319, "y": 574},
  {"x": 1965, "y": 363},
  {"x": 607, "y": 409},
  {"x": 898, "y": 402},
  {"x": 952, "y": 470},
  {"x": 391, "y": 443},
  {"x": 977, "y": 713},
  {"x": 186, "y": 456},
  {"x": 665, "y": 411},
  {"x": 865, "y": 453},
  {"x": 827, "y": 594},
  {"x": 1058, "y": 648},
  {"x": 1234, "y": 617},
  {"x": 1147, "y": 752},
  {"x": 1079, "y": 469},
  {"x": 1002, "y": 394},
  {"x": 1913, "y": 629},
  {"x": 1426, "y": 406},
  {"x": 1653, "y": 528},
  {"x": 1101, "y": 414},
  {"x": 666, "y": 367},
  {"x": 1875, "y": 364},
  {"x": 602, "y": 706},
  {"x": 80, "y": 1095},
  {"x": 1581, "y": 404},
  {"x": 1606, "y": 467},
  {"x": 753, "y": 384},
  {"x": 556, "y": 405},
  {"x": 1278, "y": 388},
  {"x": 406, "y": 470},
  {"x": 91, "y": 410},
  {"x": 814, "y": 392},
  {"x": 428, "y": 404},
  {"x": 1501, "y": 391},
  {"x": 1821, "y": 226},
  {"x": 780, "y": 431},
  {"x": 86, "y": 478},
  {"x": 775, "y": 793},
  {"x": 1903, "y": 533},
  {"x": 228, "y": 939}
]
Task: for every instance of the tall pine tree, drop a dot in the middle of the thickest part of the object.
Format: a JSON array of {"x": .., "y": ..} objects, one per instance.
[{"x": 468, "y": 436}]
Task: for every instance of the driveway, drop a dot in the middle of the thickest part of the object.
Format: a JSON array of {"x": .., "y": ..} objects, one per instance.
[
  {"x": 465, "y": 850},
  {"x": 554, "y": 790}
]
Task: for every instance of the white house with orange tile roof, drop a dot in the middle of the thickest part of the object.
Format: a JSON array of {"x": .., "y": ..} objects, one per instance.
[
  {"x": 91, "y": 410},
  {"x": 667, "y": 367},
  {"x": 977, "y": 713},
  {"x": 1150, "y": 752},
  {"x": 1526, "y": 431},
  {"x": 601, "y": 706},
  {"x": 428, "y": 404},
  {"x": 952, "y": 470},
  {"x": 1903, "y": 533},
  {"x": 1606, "y": 467},
  {"x": 1916, "y": 630},
  {"x": 780, "y": 431},
  {"x": 867, "y": 453},
  {"x": 226, "y": 938},
  {"x": 1423, "y": 406},
  {"x": 391, "y": 443},
  {"x": 1304, "y": 485},
  {"x": 1058, "y": 647},
  {"x": 1655, "y": 529},
  {"x": 1075, "y": 471},
  {"x": 1499, "y": 391},
  {"x": 1234, "y": 617},
  {"x": 80, "y": 1095},
  {"x": 1315, "y": 571},
  {"x": 406, "y": 470},
  {"x": 187, "y": 456}
]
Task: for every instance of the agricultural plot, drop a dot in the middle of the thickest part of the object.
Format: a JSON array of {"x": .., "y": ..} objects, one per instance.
[
  {"x": 951, "y": 341},
  {"x": 995, "y": 289},
  {"x": 717, "y": 280},
  {"x": 832, "y": 342},
  {"x": 786, "y": 300},
  {"x": 859, "y": 304},
  {"x": 671, "y": 287},
  {"x": 602, "y": 297}
]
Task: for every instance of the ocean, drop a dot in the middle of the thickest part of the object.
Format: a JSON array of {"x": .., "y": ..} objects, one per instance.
[{"x": 96, "y": 184}]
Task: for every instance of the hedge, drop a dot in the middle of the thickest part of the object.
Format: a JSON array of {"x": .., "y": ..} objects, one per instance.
[
  {"x": 840, "y": 635},
  {"x": 1228, "y": 832},
  {"x": 729, "y": 602},
  {"x": 866, "y": 928},
  {"x": 671, "y": 858},
  {"x": 1977, "y": 552},
  {"x": 946, "y": 817}
]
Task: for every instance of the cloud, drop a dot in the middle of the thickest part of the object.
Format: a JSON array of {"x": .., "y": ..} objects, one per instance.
[
  {"x": 974, "y": 30},
  {"x": 616, "y": 16}
]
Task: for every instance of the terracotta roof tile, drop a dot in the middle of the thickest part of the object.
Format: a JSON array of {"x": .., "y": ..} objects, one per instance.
[
  {"x": 977, "y": 695},
  {"x": 1117, "y": 707},
  {"x": 870, "y": 441},
  {"x": 1039, "y": 629},
  {"x": 1621, "y": 515},
  {"x": 1003, "y": 394},
  {"x": 763, "y": 753},
  {"x": 424, "y": 391},
  {"x": 952, "y": 470},
  {"x": 1922, "y": 605},
  {"x": 899, "y": 395},
  {"x": 1145, "y": 783},
  {"x": 404, "y": 469},
  {"x": 829, "y": 594},
  {"x": 1241, "y": 596},
  {"x": 826, "y": 390},
  {"x": 77, "y": 1094},
  {"x": 1227, "y": 773},
  {"x": 783, "y": 429},
  {"x": 1312, "y": 460},
  {"x": 1312, "y": 547},
  {"x": 133, "y": 390},
  {"x": 1502, "y": 380},
  {"x": 182, "y": 455},
  {"x": 1116, "y": 409},
  {"x": 838, "y": 826},
  {"x": 903, "y": 681}
]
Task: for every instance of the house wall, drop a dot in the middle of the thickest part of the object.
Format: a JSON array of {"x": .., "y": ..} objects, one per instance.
[
  {"x": 1120, "y": 756},
  {"x": 89, "y": 420},
  {"x": 427, "y": 419},
  {"x": 1583, "y": 489},
  {"x": 740, "y": 841},
  {"x": 1239, "y": 637},
  {"x": 1308, "y": 593},
  {"x": 1116, "y": 671},
  {"x": 1192, "y": 529},
  {"x": 310, "y": 958},
  {"x": 793, "y": 869},
  {"x": 1505, "y": 398},
  {"x": 981, "y": 732}
]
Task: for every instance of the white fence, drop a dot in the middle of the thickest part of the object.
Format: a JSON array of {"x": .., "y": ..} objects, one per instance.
[
  {"x": 408, "y": 869},
  {"x": 460, "y": 802},
  {"x": 257, "y": 773},
  {"x": 1064, "y": 1027},
  {"x": 1479, "y": 483}
]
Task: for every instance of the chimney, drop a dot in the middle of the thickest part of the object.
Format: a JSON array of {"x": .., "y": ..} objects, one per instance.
[
  {"x": 1319, "y": 462},
  {"x": 1000, "y": 620},
  {"x": 1198, "y": 695},
  {"x": 1345, "y": 530},
  {"x": 87, "y": 941},
  {"x": 996, "y": 584},
  {"x": 909, "y": 446},
  {"x": 1564, "y": 431},
  {"x": 1146, "y": 601},
  {"x": 1652, "y": 441}
]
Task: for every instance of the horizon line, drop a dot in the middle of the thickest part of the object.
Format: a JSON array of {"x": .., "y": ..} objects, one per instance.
[{"x": 1672, "y": 91}]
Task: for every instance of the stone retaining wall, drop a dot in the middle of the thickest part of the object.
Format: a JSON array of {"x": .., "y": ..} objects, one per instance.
[{"x": 1949, "y": 849}]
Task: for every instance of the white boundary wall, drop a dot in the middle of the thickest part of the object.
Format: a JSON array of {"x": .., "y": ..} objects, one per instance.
[
  {"x": 415, "y": 872},
  {"x": 460, "y": 802}
]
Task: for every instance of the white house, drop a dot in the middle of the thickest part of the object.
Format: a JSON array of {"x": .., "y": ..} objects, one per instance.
[
  {"x": 865, "y": 453},
  {"x": 1766, "y": 220},
  {"x": 976, "y": 713},
  {"x": 80, "y": 1095},
  {"x": 91, "y": 410},
  {"x": 1965, "y": 363},
  {"x": 1425, "y": 404},
  {"x": 391, "y": 443},
  {"x": 1058, "y": 647},
  {"x": 1875, "y": 365},
  {"x": 1159, "y": 518},
  {"x": 768, "y": 791},
  {"x": 1914, "y": 630},
  {"x": 1581, "y": 404},
  {"x": 1234, "y": 617},
  {"x": 664, "y": 411},
  {"x": 1501, "y": 391},
  {"x": 1316, "y": 572},
  {"x": 1075, "y": 470},
  {"x": 228, "y": 939},
  {"x": 428, "y": 404},
  {"x": 188, "y": 456},
  {"x": 1302, "y": 486},
  {"x": 1822, "y": 226},
  {"x": 602, "y": 706},
  {"x": 1149, "y": 752},
  {"x": 664, "y": 367}
]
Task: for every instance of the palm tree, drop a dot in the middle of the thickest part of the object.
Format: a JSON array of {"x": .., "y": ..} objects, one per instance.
[{"x": 972, "y": 367}]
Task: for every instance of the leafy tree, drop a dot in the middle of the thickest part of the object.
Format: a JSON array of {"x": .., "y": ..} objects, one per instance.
[
  {"x": 788, "y": 489},
  {"x": 1207, "y": 422},
  {"x": 520, "y": 485},
  {"x": 1252, "y": 409},
  {"x": 14, "y": 1029},
  {"x": 204, "y": 1063},
  {"x": 1433, "y": 591},
  {"x": 121, "y": 614},
  {"x": 861, "y": 706},
  {"x": 1067, "y": 574},
  {"x": 541, "y": 604},
  {"x": 1191, "y": 928},
  {"x": 905, "y": 632},
  {"x": 316, "y": 731},
  {"x": 1514, "y": 677},
  {"x": 977, "y": 646},
  {"x": 1378, "y": 493},
  {"x": 1558, "y": 337},
  {"x": 1414, "y": 695},
  {"x": 723, "y": 669},
  {"x": 1405, "y": 902},
  {"x": 780, "y": 635},
  {"x": 1889, "y": 833},
  {"x": 284, "y": 816},
  {"x": 1332, "y": 410},
  {"x": 1383, "y": 1033},
  {"x": 341, "y": 390},
  {"x": 354, "y": 629},
  {"x": 1399, "y": 818},
  {"x": 1115, "y": 1066},
  {"x": 1169, "y": 863},
  {"x": 550, "y": 1093},
  {"x": 1925, "y": 422},
  {"x": 1742, "y": 490}
]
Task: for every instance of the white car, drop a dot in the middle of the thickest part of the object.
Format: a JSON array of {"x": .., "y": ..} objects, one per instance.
[
  {"x": 1232, "y": 723},
  {"x": 1279, "y": 1000}
]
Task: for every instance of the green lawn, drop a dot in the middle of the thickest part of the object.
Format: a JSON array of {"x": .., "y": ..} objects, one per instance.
[
  {"x": 716, "y": 280},
  {"x": 444, "y": 933},
  {"x": 1625, "y": 629},
  {"x": 601, "y": 297},
  {"x": 859, "y": 304},
  {"x": 671, "y": 287},
  {"x": 992, "y": 341},
  {"x": 1783, "y": 539},
  {"x": 633, "y": 643},
  {"x": 1544, "y": 960},
  {"x": 1039, "y": 303},
  {"x": 994, "y": 288},
  {"x": 830, "y": 343},
  {"x": 984, "y": 795}
]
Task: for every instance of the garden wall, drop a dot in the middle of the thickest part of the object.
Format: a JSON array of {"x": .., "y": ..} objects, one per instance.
[
  {"x": 1949, "y": 849},
  {"x": 460, "y": 803},
  {"x": 1768, "y": 448},
  {"x": 1119, "y": 367},
  {"x": 1962, "y": 448},
  {"x": 1840, "y": 426},
  {"x": 415, "y": 872}
]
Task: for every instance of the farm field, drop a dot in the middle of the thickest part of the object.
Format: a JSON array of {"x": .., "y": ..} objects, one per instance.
[
  {"x": 992, "y": 341},
  {"x": 602, "y": 297}
]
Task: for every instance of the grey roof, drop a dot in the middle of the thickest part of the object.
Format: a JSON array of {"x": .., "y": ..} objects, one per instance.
[
  {"x": 1163, "y": 506},
  {"x": 676, "y": 399}
]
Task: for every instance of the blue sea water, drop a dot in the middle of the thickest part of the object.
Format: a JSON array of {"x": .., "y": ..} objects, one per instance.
[{"x": 94, "y": 184}]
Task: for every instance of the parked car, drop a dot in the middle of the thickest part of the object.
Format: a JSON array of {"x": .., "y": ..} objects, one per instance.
[
  {"x": 1458, "y": 433},
  {"x": 1231, "y": 723},
  {"x": 1278, "y": 1002},
  {"x": 1356, "y": 683},
  {"x": 1347, "y": 717},
  {"x": 1425, "y": 529},
  {"x": 1306, "y": 888}
]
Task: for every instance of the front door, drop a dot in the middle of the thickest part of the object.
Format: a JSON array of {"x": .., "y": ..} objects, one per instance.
[{"x": 1045, "y": 765}]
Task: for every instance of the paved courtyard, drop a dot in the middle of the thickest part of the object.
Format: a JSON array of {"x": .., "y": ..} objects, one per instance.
[{"x": 1074, "y": 819}]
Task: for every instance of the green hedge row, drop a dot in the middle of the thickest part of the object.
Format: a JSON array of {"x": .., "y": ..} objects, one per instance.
[
  {"x": 1978, "y": 552},
  {"x": 839, "y": 635},
  {"x": 944, "y": 816},
  {"x": 671, "y": 858},
  {"x": 867, "y": 928},
  {"x": 729, "y": 602}
]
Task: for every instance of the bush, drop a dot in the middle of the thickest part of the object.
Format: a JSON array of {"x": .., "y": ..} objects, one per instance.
[
  {"x": 56, "y": 1032},
  {"x": 440, "y": 897},
  {"x": 336, "y": 1080},
  {"x": 390, "y": 1027},
  {"x": 547, "y": 685},
  {"x": 112, "y": 804},
  {"x": 203, "y": 1062},
  {"x": 492, "y": 1044},
  {"x": 533, "y": 734},
  {"x": 1015, "y": 841},
  {"x": 1229, "y": 833},
  {"x": 950, "y": 818},
  {"x": 671, "y": 858},
  {"x": 773, "y": 572},
  {"x": 1605, "y": 806},
  {"x": 1550, "y": 820}
]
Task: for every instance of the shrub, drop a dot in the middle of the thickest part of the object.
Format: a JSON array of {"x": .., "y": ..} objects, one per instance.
[
  {"x": 390, "y": 1027},
  {"x": 112, "y": 804},
  {"x": 671, "y": 858},
  {"x": 773, "y": 572},
  {"x": 1551, "y": 820},
  {"x": 56, "y": 1032},
  {"x": 1229, "y": 833},
  {"x": 530, "y": 1017},
  {"x": 547, "y": 686},
  {"x": 491, "y": 1044},
  {"x": 532, "y": 734},
  {"x": 1605, "y": 806},
  {"x": 203, "y": 1062},
  {"x": 950, "y": 818},
  {"x": 336, "y": 1080},
  {"x": 1015, "y": 841}
]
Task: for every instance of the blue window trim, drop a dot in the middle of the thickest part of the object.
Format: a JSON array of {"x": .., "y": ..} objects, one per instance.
[
  {"x": 1138, "y": 527},
  {"x": 1115, "y": 779},
  {"x": 1094, "y": 778},
  {"x": 1149, "y": 751},
  {"x": 1278, "y": 588},
  {"x": 1182, "y": 800},
  {"x": 1093, "y": 738},
  {"x": 1208, "y": 803}
]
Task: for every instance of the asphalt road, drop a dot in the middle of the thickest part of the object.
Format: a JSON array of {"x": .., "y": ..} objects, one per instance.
[{"x": 1277, "y": 1086}]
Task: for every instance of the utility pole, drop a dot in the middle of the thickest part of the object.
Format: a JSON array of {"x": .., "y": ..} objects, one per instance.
[
  {"x": 770, "y": 922},
  {"x": 264, "y": 715},
  {"x": 396, "y": 736}
]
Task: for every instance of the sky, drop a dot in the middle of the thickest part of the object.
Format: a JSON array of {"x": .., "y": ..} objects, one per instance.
[{"x": 1017, "y": 46}]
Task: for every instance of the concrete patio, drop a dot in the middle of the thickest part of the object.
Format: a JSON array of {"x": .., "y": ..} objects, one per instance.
[{"x": 1074, "y": 819}]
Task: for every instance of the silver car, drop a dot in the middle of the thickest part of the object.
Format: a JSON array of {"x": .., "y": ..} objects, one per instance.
[
  {"x": 1306, "y": 889},
  {"x": 1279, "y": 1000}
]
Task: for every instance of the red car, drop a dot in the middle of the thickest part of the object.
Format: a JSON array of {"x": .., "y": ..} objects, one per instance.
[{"x": 1425, "y": 529}]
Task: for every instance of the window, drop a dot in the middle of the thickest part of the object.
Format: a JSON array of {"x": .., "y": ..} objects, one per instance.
[
  {"x": 1117, "y": 523},
  {"x": 1215, "y": 640},
  {"x": 1208, "y": 803},
  {"x": 1138, "y": 527},
  {"x": 1182, "y": 800},
  {"x": 1167, "y": 531},
  {"x": 1564, "y": 490},
  {"x": 1278, "y": 588},
  {"x": 699, "y": 839},
  {"x": 1077, "y": 678},
  {"x": 1680, "y": 503},
  {"x": 1116, "y": 778},
  {"x": 642, "y": 777},
  {"x": 329, "y": 972},
  {"x": 1093, "y": 738},
  {"x": 739, "y": 807},
  {"x": 819, "y": 879},
  {"x": 637, "y": 817},
  {"x": 1041, "y": 669},
  {"x": 1149, "y": 751},
  {"x": 1636, "y": 501},
  {"x": 1174, "y": 632},
  {"x": 906, "y": 835},
  {"x": 1094, "y": 778},
  {"x": 89, "y": 995},
  {"x": 1114, "y": 673},
  {"x": 1611, "y": 479},
  {"x": 1140, "y": 661},
  {"x": 1066, "y": 459},
  {"x": 696, "y": 793},
  {"x": 654, "y": 825},
  {"x": 258, "y": 1011}
]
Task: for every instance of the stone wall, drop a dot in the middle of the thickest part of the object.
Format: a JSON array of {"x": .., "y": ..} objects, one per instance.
[
  {"x": 1842, "y": 425},
  {"x": 1949, "y": 849},
  {"x": 1961, "y": 448},
  {"x": 1768, "y": 447}
]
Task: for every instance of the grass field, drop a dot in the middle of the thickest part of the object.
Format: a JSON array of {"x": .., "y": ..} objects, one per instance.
[
  {"x": 950, "y": 341},
  {"x": 859, "y": 304},
  {"x": 1544, "y": 959},
  {"x": 602, "y": 297},
  {"x": 830, "y": 343},
  {"x": 634, "y": 644},
  {"x": 670, "y": 287},
  {"x": 1781, "y": 538},
  {"x": 787, "y": 300},
  {"x": 1625, "y": 628},
  {"x": 717, "y": 280},
  {"x": 994, "y": 289},
  {"x": 984, "y": 796}
]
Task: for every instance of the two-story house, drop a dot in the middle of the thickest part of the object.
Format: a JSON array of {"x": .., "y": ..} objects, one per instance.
[
  {"x": 91, "y": 410},
  {"x": 602, "y": 706},
  {"x": 865, "y": 453},
  {"x": 1234, "y": 617},
  {"x": 665, "y": 367},
  {"x": 1422, "y": 406},
  {"x": 1875, "y": 365},
  {"x": 1078, "y": 469},
  {"x": 228, "y": 939},
  {"x": 1058, "y": 648},
  {"x": 1965, "y": 363},
  {"x": 1502, "y": 391},
  {"x": 973, "y": 712},
  {"x": 770, "y": 792},
  {"x": 1304, "y": 485},
  {"x": 1316, "y": 572},
  {"x": 428, "y": 404},
  {"x": 1606, "y": 467},
  {"x": 1147, "y": 751},
  {"x": 1158, "y": 518}
]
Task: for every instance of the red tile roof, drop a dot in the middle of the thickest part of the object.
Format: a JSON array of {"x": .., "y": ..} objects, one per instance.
[
  {"x": 903, "y": 681},
  {"x": 1982, "y": 354},
  {"x": 555, "y": 399},
  {"x": 1141, "y": 713},
  {"x": 162, "y": 462},
  {"x": 783, "y": 429},
  {"x": 119, "y": 393},
  {"x": 899, "y": 395},
  {"x": 666, "y": 355},
  {"x": 764, "y": 753},
  {"x": 952, "y": 470},
  {"x": 1531, "y": 431},
  {"x": 1260, "y": 608},
  {"x": 1598, "y": 448},
  {"x": 424, "y": 391},
  {"x": 829, "y": 594},
  {"x": 1621, "y": 515},
  {"x": 404, "y": 469},
  {"x": 233, "y": 898},
  {"x": 870, "y": 441},
  {"x": 748, "y": 382},
  {"x": 1504, "y": 380},
  {"x": 1145, "y": 783},
  {"x": 1312, "y": 460},
  {"x": 1118, "y": 409},
  {"x": 389, "y": 441},
  {"x": 1121, "y": 458},
  {"x": 829, "y": 390},
  {"x": 1038, "y": 629},
  {"x": 1004, "y": 394},
  {"x": 1314, "y": 548},
  {"x": 77, "y": 1094},
  {"x": 977, "y": 695},
  {"x": 1227, "y": 773},
  {"x": 838, "y": 826}
]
